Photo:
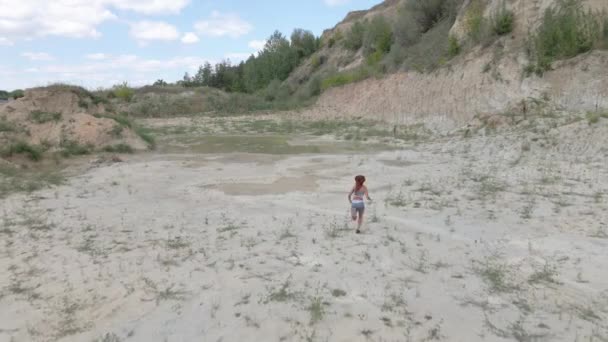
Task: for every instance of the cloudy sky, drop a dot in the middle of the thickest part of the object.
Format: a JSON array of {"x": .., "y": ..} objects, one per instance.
[{"x": 98, "y": 43}]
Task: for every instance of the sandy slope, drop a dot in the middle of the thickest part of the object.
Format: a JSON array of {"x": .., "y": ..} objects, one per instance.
[{"x": 468, "y": 240}]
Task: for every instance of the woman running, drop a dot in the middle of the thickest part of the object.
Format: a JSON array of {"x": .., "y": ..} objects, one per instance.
[{"x": 357, "y": 202}]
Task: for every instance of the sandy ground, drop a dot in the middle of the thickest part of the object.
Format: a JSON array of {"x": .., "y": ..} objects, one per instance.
[{"x": 475, "y": 239}]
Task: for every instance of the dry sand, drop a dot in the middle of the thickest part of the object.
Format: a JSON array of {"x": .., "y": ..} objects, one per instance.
[{"x": 481, "y": 239}]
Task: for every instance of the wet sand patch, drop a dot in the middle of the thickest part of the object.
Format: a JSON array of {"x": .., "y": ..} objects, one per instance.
[
  {"x": 398, "y": 163},
  {"x": 282, "y": 185}
]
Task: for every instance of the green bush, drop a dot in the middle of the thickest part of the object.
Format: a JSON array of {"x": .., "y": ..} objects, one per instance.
[
  {"x": 567, "y": 30},
  {"x": 316, "y": 61},
  {"x": 120, "y": 148},
  {"x": 123, "y": 92},
  {"x": 16, "y": 94},
  {"x": 406, "y": 29},
  {"x": 428, "y": 13},
  {"x": 378, "y": 36},
  {"x": 353, "y": 40},
  {"x": 454, "y": 47},
  {"x": 4, "y": 95},
  {"x": 43, "y": 117},
  {"x": 33, "y": 152},
  {"x": 503, "y": 21},
  {"x": 314, "y": 86}
]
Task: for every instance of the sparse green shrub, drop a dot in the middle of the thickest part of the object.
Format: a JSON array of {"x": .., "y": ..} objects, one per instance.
[
  {"x": 16, "y": 94},
  {"x": 120, "y": 148},
  {"x": 314, "y": 86},
  {"x": 272, "y": 90},
  {"x": 378, "y": 37},
  {"x": 503, "y": 21},
  {"x": 123, "y": 92},
  {"x": 344, "y": 78},
  {"x": 604, "y": 42},
  {"x": 353, "y": 40},
  {"x": 6, "y": 126},
  {"x": 594, "y": 117},
  {"x": 33, "y": 152},
  {"x": 406, "y": 29},
  {"x": 432, "y": 50},
  {"x": 43, "y": 117},
  {"x": 73, "y": 148},
  {"x": 4, "y": 95},
  {"x": 430, "y": 12},
  {"x": 475, "y": 22},
  {"x": 317, "y": 61},
  {"x": 567, "y": 30},
  {"x": 454, "y": 46}
]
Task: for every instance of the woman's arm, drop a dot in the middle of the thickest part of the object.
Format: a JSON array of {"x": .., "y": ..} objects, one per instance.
[
  {"x": 367, "y": 195},
  {"x": 350, "y": 194}
]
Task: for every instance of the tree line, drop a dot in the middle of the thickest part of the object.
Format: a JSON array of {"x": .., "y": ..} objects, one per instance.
[{"x": 279, "y": 57}]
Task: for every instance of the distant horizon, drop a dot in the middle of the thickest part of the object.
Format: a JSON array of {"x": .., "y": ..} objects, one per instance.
[{"x": 109, "y": 41}]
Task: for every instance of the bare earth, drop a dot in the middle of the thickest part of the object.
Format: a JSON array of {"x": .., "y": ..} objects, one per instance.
[{"x": 497, "y": 238}]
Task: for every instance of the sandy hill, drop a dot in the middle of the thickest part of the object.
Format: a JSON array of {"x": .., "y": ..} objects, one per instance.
[
  {"x": 482, "y": 80},
  {"x": 57, "y": 117}
]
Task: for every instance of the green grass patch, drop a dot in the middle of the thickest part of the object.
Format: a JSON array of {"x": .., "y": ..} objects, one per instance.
[
  {"x": 15, "y": 180},
  {"x": 6, "y": 126},
  {"x": 22, "y": 148},
  {"x": 344, "y": 78},
  {"x": 594, "y": 117},
  {"x": 41, "y": 117},
  {"x": 146, "y": 136},
  {"x": 123, "y": 121},
  {"x": 73, "y": 148}
]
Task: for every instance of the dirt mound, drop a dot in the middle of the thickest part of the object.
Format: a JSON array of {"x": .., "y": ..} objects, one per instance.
[{"x": 59, "y": 116}]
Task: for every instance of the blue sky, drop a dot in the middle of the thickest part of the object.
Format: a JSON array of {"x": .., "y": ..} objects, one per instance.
[{"x": 98, "y": 43}]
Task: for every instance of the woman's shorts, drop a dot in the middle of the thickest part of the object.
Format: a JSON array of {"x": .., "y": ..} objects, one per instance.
[{"x": 358, "y": 208}]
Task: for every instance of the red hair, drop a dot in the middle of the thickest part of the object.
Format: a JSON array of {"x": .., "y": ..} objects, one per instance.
[{"x": 359, "y": 180}]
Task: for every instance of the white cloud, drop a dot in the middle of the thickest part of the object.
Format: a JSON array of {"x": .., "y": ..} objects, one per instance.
[
  {"x": 333, "y": 3},
  {"x": 97, "y": 56},
  {"x": 150, "y": 6},
  {"x": 130, "y": 63},
  {"x": 257, "y": 44},
  {"x": 190, "y": 38},
  {"x": 103, "y": 73},
  {"x": 37, "y": 56},
  {"x": 220, "y": 25},
  {"x": 70, "y": 18},
  {"x": 5, "y": 41},
  {"x": 153, "y": 30}
]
